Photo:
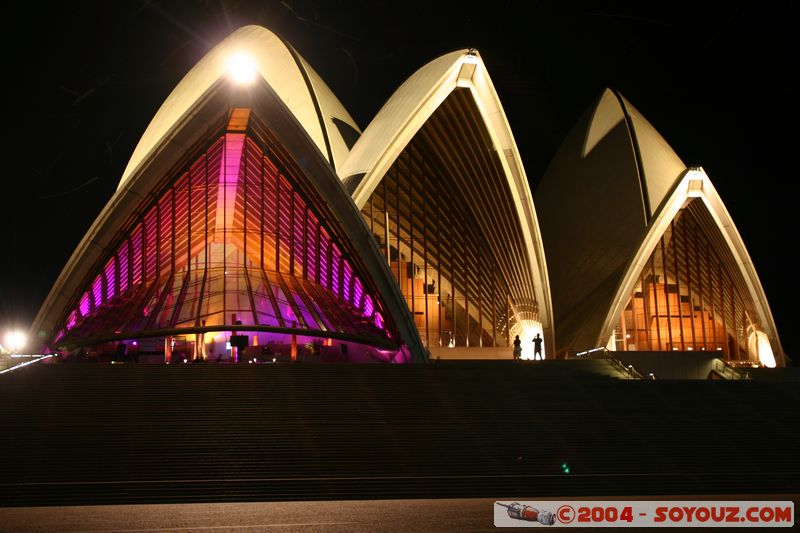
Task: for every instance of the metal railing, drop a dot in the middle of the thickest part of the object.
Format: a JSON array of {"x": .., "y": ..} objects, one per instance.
[
  {"x": 34, "y": 358},
  {"x": 628, "y": 371},
  {"x": 729, "y": 372}
]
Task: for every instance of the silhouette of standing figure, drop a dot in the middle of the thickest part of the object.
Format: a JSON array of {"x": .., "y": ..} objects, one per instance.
[
  {"x": 537, "y": 347},
  {"x": 517, "y": 348}
]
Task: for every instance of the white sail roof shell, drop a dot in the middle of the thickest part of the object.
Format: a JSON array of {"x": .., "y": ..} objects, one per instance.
[
  {"x": 296, "y": 83},
  {"x": 407, "y": 110}
]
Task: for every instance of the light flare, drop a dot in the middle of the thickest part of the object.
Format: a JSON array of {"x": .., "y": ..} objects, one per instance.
[{"x": 242, "y": 68}]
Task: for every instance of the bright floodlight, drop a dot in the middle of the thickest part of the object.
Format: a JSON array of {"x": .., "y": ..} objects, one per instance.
[
  {"x": 528, "y": 331},
  {"x": 759, "y": 344},
  {"x": 242, "y": 68},
  {"x": 15, "y": 341}
]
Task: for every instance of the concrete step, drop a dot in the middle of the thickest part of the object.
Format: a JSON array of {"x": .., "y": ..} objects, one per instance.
[{"x": 82, "y": 433}]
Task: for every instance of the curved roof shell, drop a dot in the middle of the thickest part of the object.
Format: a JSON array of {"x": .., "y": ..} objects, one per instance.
[
  {"x": 409, "y": 108},
  {"x": 299, "y": 87},
  {"x": 291, "y": 99},
  {"x": 694, "y": 183},
  {"x": 606, "y": 199}
]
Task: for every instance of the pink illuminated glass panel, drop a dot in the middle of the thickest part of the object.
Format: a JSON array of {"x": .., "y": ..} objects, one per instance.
[
  {"x": 110, "y": 273},
  {"x": 336, "y": 258},
  {"x": 150, "y": 249},
  {"x": 358, "y": 292},
  {"x": 85, "y": 306},
  {"x": 299, "y": 245},
  {"x": 165, "y": 229},
  {"x": 285, "y": 224},
  {"x": 180, "y": 229},
  {"x": 97, "y": 291},
  {"x": 346, "y": 281},
  {"x": 228, "y": 181},
  {"x": 220, "y": 221},
  {"x": 324, "y": 246},
  {"x": 312, "y": 227},
  {"x": 306, "y": 315},
  {"x": 122, "y": 256},
  {"x": 136, "y": 245},
  {"x": 369, "y": 307}
]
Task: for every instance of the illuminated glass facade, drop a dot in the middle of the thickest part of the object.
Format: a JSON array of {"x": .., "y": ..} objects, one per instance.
[
  {"x": 238, "y": 240},
  {"x": 226, "y": 232},
  {"x": 444, "y": 220},
  {"x": 690, "y": 296}
]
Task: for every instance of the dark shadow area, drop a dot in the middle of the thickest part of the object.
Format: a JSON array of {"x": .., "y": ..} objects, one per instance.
[{"x": 101, "y": 433}]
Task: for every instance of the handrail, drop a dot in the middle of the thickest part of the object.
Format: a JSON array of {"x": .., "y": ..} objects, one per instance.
[
  {"x": 26, "y": 363},
  {"x": 629, "y": 371},
  {"x": 729, "y": 372}
]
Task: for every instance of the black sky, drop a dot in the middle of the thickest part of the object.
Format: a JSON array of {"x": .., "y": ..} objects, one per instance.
[{"x": 84, "y": 79}]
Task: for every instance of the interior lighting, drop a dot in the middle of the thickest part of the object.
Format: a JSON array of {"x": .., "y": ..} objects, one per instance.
[{"x": 758, "y": 344}]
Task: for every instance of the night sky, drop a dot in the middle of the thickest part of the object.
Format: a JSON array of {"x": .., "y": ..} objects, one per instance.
[{"x": 87, "y": 77}]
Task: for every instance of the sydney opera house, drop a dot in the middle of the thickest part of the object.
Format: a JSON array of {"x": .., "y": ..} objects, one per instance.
[{"x": 256, "y": 219}]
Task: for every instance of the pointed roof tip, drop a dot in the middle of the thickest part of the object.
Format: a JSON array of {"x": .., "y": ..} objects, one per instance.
[
  {"x": 336, "y": 146},
  {"x": 417, "y": 93},
  {"x": 299, "y": 87},
  {"x": 253, "y": 26},
  {"x": 606, "y": 114},
  {"x": 410, "y": 107},
  {"x": 660, "y": 165}
]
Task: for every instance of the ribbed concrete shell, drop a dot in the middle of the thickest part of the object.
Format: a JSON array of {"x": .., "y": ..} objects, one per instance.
[
  {"x": 405, "y": 114},
  {"x": 299, "y": 111},
  {"x": 607, "y": 198},
  {"x": 299, "y": 87}
]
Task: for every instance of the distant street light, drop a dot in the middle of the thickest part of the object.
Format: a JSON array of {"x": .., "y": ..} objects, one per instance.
[{"x": 15, "y": 341}]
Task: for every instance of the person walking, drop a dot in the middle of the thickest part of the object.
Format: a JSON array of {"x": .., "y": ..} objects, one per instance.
[
  {"x": 517, "y": 348},
  {"x": 537, "y": 347}
]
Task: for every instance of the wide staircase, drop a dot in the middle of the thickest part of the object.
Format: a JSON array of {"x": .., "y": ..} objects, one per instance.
[{"x": 101, "y": 433}]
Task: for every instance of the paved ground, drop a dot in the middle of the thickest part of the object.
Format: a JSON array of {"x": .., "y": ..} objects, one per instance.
[
  {"x": 329, "y": 516},
  {"x": 461, "y": 515}
]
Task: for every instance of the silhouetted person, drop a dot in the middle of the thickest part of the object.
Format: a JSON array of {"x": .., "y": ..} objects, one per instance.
[
  {"x": 517, "y": 348},
  {"x": 537, "y": 347}
]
